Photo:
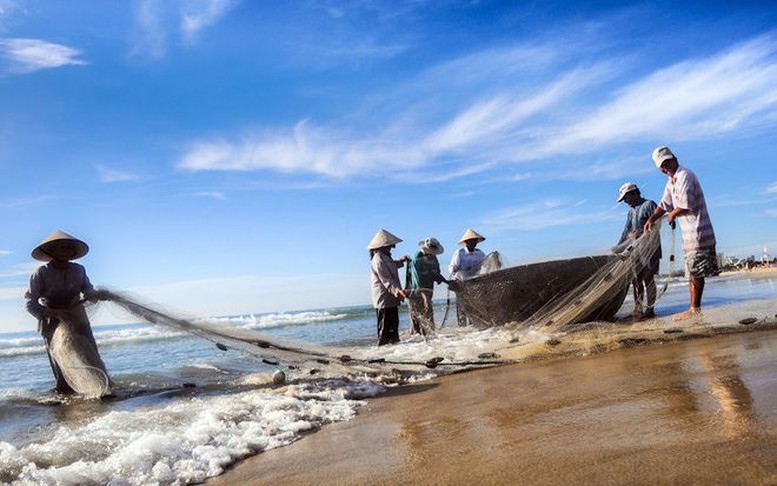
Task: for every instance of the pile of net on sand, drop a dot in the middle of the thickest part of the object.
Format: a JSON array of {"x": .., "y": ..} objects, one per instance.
[{"x": 634, "y": 257}]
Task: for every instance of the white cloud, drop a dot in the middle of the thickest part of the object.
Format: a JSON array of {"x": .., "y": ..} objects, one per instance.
[
  {"x": 151, "y": 38},
  {"x": 772, "y": 189},
  {"x": 156, "y": 21},
  {"x": 305, "y": 148},
  {"x": 28, "y": 55},
  {"x": 106, "y": 174},
  {"x": 771, "y": 212},
  {"x": 201, "y": 14},
  {"x": 5, "y": 252},
  {"x": 12, "y": 293},
  {"x": 210, "y": 194},
  {"x": 545, "y": 214},
  {"x": 448, "y": 124},
  {"x": 26, "y": 201},
  {"x": 695, "y": 98},
  {"x": 20, "y": 270},
  {"x": 7, "y": 8},
  {"x": 602, "y": 170}
]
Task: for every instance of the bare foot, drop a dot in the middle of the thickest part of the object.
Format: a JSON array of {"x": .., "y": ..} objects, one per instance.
[{"x": 692, "y": 312}]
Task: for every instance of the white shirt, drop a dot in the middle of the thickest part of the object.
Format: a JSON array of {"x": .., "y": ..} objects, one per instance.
[{"x": 466, "y": 264}]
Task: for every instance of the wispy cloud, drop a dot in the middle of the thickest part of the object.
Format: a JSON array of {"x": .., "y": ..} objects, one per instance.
[
  {"x": 5, "y": 252},
  {"x": 771, "y": 212},
  {"x": 107, "y": 175},
  {"x": 772, "y": 189},
  {"x": 695, "y": 98},
  {"x": 151, "y": 34},
  {"x": 545, "y": 214},
  {"x": 198, "y": 15},
  {"x": 6, "y": 7},
  {"x": 24, "y": 56},
  {"x": 26, "y": 201},
  {"x": 566, "y": 113},
  {"x": 157, "y": 21},
  {"x": 21, "y": 270},
  {"x": 210, "y": 194},
  {"x": 12, "y": 293}
]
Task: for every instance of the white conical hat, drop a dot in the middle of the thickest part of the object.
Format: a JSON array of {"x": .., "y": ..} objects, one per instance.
[
  {"x": 471, "y": 235},
  {"x": 383, "y": 238},
  {"x": 43, "y": 253}
]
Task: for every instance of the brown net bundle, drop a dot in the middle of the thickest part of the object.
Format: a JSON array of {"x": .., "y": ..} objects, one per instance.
[{"x": 557, "y": 293}]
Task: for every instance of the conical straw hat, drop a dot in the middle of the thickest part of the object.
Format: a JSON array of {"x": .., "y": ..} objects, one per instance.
[
  {"x": 383, "y": 238},
  {"x": 471, "y": 235},
  {"x": 43, "y": 252}
]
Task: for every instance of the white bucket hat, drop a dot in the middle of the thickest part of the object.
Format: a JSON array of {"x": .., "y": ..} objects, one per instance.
[
  {"x": 471, "y": 235},
  {"x": 48, "y": 250},
  {"x": 662, "y": 154},
  {"x": 431, "y": 246},
  {"x": 383, "y": 238},
  {"x": 625, "y": 189}
]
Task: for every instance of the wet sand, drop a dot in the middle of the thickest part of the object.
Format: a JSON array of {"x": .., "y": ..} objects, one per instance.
[{"x": 698, "y": 411}]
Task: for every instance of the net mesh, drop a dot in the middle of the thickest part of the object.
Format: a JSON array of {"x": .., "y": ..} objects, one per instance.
[
  {"x": 557, "y": 293},
  {"x": 566, "y": 292}
]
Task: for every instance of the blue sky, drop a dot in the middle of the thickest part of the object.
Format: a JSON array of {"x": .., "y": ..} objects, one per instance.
[{"x": 226, "y": 157}]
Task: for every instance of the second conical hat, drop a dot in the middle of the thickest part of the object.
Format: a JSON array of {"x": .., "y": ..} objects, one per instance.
[
  {"x": 471, "y": 235},
  {"x": 383, "y": 238}
]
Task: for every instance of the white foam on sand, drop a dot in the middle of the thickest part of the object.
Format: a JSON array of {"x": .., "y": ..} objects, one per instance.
[{"x": 187, "y": 441}]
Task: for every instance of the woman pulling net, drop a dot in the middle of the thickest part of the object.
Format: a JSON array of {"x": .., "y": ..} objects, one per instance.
[{"x": 56, "y": 298}]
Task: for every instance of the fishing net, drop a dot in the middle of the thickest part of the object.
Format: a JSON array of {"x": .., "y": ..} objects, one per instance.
[
  {"x": 557, "y": 293},
  {"x": 420, "y": 305},
  {"x": 272, "y": 350},
  {"x": 551, "y": 294},
  {"x": 73, "y": 349}
]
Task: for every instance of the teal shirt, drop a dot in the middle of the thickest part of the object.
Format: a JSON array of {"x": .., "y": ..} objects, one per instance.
[{"x": 424, "y": 271}]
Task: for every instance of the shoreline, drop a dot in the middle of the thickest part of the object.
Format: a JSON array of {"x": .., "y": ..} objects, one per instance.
[{"x": 471, "y": 427}]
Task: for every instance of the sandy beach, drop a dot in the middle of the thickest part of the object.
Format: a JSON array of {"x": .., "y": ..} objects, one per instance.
[{"x": 690, "y": 410}]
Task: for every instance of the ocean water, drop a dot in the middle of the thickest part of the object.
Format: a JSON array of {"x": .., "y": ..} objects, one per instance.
[{"x": 185, "y": 409}]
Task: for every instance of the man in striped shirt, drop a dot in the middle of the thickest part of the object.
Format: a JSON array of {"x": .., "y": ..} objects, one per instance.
[{"x": 683, "y": 200}]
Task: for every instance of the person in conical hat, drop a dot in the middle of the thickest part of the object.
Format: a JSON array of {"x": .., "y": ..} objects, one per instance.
[
  {"x": 466, "y": 263},
  {"x": 387, "y": 291},
  {"x": 423, "y": 272},
  {"x": 60, "y": 246},
  {"x": 383, "y": 239},
  {"x": 55, "y": 298},
  {"x": 471, "y": 235}
]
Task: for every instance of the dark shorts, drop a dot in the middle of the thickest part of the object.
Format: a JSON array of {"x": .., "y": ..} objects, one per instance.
[{"x": 701, "y": 263}]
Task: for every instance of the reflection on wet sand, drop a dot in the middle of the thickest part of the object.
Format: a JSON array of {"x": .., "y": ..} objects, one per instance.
[{"x": 695, "y": 412}]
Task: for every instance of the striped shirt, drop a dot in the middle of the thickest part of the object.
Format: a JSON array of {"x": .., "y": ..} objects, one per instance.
[{"x": 684, "y": 191}]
